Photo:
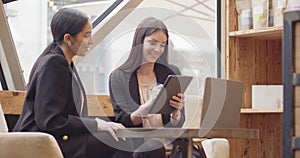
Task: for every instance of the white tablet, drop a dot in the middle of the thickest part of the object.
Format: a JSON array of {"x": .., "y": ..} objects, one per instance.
[{"x": 173, "y": 84}]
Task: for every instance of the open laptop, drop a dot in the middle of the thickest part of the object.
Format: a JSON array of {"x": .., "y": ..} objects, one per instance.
[{"x": 222, "y": 102}]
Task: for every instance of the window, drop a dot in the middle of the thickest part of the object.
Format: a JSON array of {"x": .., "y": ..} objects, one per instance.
[
  {"x": 11, "y": 76},
  {"x": 32, "y": 19},
  {"x": 192, "y": 27},
  {"x": 195, "y": 49}
]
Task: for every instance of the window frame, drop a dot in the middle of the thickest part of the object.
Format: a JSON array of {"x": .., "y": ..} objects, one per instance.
[{"x": 11, "y": 73}]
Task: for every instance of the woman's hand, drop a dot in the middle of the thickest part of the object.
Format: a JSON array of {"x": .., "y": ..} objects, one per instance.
[
  {"x": 111, "y": 127},
  {"x": 143, "y": 109},
  {"x": 178, "y": 103}
]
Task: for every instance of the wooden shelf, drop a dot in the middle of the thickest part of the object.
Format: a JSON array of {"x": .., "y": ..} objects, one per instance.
[
  {"x": 255, "y": 57},
  {"x": 265, "y": 33},
  {"x": 254, "y": 111}
]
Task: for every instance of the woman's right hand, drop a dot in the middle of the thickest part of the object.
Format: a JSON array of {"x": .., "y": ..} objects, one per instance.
[
  {"x": 143, "y": 109},
  {"x": 155, "y": 91},
  {"x": 111, "y": 127}
]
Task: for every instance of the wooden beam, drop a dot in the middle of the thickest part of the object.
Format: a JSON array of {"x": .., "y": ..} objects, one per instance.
[{"x": 98, "y": 105}]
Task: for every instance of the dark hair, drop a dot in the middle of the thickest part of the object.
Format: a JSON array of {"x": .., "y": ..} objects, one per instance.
[
  {"x": 66, "y": 21},
  {"x": 144, "y": 29}
]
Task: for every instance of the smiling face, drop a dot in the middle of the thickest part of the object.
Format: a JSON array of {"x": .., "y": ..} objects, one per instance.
[
  {"x": 83, "y": 40},
  {"x": 154, "y": 46}
]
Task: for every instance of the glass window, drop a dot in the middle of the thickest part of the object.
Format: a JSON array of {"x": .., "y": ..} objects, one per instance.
[
  {"x": 191, "y": 24},
  {"x": 10, "y": 72},
  {"x": 192, "y": 29},
  {"x": 30, "y": 24}
]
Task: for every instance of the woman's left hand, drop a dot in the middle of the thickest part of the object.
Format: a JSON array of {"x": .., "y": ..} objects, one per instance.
[
  {"x": 110, "y": 127},
  {"x": 177, "y": 102}
]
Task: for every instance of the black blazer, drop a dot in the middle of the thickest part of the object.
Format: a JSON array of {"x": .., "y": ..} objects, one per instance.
[
  {"x": 125, "y": 96},
  {"x": 53, "y": 103}
]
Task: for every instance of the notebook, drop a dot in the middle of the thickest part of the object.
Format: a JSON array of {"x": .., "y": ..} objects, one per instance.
[{"x": 222, "y": 103}]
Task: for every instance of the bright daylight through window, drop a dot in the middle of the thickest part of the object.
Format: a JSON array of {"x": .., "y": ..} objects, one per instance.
[{"x": 192, "y": 28}]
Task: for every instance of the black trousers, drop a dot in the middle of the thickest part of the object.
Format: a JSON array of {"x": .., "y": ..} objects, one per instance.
[
  {"x": 102, "y": 144},
  {"x": 150, "y": 149},
  {"x": 95, "y": 145}
]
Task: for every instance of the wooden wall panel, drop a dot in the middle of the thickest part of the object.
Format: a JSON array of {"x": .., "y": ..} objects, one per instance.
[
  {"x": 255, "y": 62},
  {"x": 233, "y": 24},
  {"x": 98, "y": 105},
  {"x": 244, "y": 148},
  {"x": 270, "y": 143},
  {"x": 255, "y": 59},
  {"x": 12, "y": 101},
  {"x": 261, "y": 60},
  {"x": 246, "y": 71},
  {"x": 274, "y": 62},
  {"x": 232, "y": 58}
]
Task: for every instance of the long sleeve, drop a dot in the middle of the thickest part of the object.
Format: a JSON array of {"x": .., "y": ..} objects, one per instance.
[
  {"x": 120, "y": 99},
  {"x": 56, "y": 104},
  {"x": 123, "y": 88},
  {"x": 54, "y": 107}
]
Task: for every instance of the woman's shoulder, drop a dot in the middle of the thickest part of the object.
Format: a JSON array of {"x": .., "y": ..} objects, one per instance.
[
  {"x": 53, "y": 59},
  {"x": 119, "y": 73},
  {"x": 173, "y": 67},
  {"x": 53, "y": 55}
]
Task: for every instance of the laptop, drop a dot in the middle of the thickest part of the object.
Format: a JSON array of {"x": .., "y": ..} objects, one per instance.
[{"x": 222, "y": 103}]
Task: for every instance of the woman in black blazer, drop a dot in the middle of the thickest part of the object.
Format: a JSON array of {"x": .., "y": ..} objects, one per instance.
[
  {"x": 131, "y": 84},
  {"x": 56, "y": 100}
]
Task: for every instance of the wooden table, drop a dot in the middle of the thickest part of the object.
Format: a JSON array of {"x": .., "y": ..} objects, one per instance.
[{"x": 189, "y": 134}]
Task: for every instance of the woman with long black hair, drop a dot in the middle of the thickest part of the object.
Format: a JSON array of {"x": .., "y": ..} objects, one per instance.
[{"x": 56, "y": 100}]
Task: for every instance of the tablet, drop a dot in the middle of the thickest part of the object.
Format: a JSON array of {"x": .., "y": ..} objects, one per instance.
[{"x": 173, "y": 84}]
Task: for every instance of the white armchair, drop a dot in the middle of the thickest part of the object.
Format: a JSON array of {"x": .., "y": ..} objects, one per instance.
[
  {"x": 216, "y": 148},
  {"x": 26, "y": 144}
]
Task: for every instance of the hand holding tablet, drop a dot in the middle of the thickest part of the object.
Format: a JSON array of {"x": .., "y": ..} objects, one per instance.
[{"x": 173, "y": 85}]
